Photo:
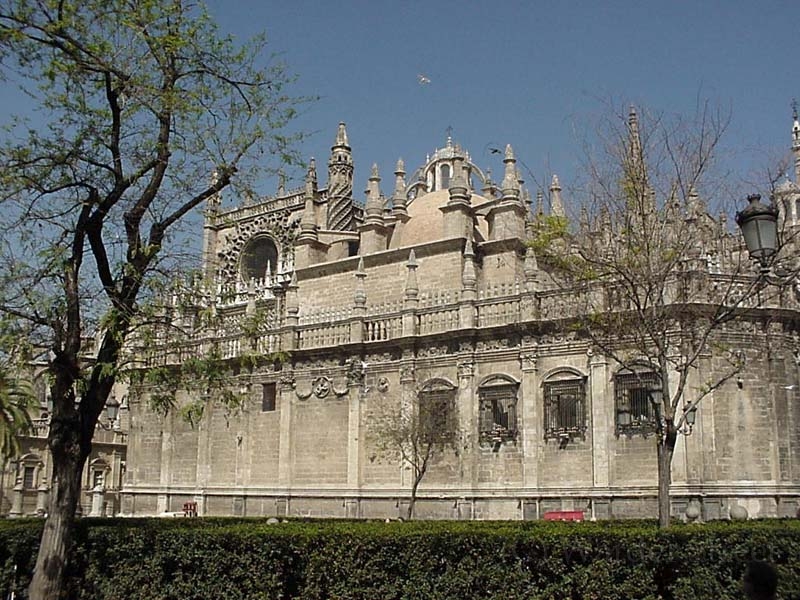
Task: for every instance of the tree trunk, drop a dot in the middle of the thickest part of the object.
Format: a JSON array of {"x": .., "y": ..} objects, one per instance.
[
  {"x": 48, "y": 576},
  {"x": 413, "y": 500},
  {"x": 666, "y": 448}
]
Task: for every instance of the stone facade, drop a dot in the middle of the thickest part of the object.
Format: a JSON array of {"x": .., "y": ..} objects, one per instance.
[
  {"x": 26, "y": 477},
  {"x": 340, "y": 307}
]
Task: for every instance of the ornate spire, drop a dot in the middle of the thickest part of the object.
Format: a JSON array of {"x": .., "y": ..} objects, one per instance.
[
  {"x": 341, "y": 137},
  {"x": 374, "y": 204},
  {"x": 399, "y": 196},
  {"x": 636, "y": 166},
  {"x": 213, "y": 202},
  {"x": 539, "y": 204},
  {"x": 459, "y": 194},
  {"x": 340, "y": 183},
  {"x": 311, "y": 178},
  {"x": 469, "y": 277},
  {"x": 556, "y": 203},
  {"x": 308, "y": 220},
  {"x": 695, "y": 206},
  {"x": 584, "y": 220},
  {"x": 412, "y": 288},
  {"x": 510, "y": 184},
  {"x": 281, "y": 182},
  {"x": 360, "y": 296},
  {"x": 530, "y": 269},
  {"x": 292, "y": 300},
  {"x": 796, "y": 142}
]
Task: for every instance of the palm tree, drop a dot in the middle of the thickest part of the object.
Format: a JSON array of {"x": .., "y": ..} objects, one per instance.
[{"x": 16, "y": 400}]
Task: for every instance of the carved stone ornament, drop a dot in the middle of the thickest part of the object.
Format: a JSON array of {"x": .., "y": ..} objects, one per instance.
[
  {"x": 287, "y": 380},
  {"x": 407, "y": 374},
  {"x": 528, "y": 361},
  {"x": 466, "y": 369},
  {"x": 321, "y": 387},
  {"x": 383, "y": 385},
  {"x": 355, "y": 372},
  {"x": 277, "y": 224}
]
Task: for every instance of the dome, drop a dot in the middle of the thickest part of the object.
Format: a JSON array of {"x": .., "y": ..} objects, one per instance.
[{"x": 426, "y": 220}]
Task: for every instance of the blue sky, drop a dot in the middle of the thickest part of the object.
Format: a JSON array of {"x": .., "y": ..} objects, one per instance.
[{"x": 533, "y": 74}]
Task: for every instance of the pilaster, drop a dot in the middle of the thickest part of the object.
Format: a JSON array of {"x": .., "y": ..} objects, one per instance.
[
  {"x": 286, "y": 400},
  {"x": 356, "y": 392},
  {"x": 467, "y": 404},
  {"x": 530, "y": 417},
  {"x": 602, "y": 412},
  {"x": 408, "y": 398}
]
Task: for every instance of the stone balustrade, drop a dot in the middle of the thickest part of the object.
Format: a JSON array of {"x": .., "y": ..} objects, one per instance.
[{"x": 441, "y": 311}]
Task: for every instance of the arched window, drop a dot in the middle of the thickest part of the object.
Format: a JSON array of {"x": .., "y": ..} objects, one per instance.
[
  {"x": 30, "y": 467},
  {"x": 437, "y": 410},
  {"x": 445, "y": 178},
  {"x": 497, "y": 398},
  {"x": 565, "y": 405},
  {"x": 98, "y": 474},
  {"x": 258, "y": 253},
  {"x": 634, "y": 400}
]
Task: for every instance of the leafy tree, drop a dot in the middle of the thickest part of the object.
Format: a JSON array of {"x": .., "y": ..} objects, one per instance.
[
  {"x": 654, "y": 278},
  {"x": 146, "y": 112},
  {"x": 16, "y": 401}
]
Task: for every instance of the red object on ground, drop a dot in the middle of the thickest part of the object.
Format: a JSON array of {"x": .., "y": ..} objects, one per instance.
[{"x": 564, "y": 515}]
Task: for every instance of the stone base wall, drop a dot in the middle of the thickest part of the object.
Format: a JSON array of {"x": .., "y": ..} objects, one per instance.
[{"x": 455, "y": 506}]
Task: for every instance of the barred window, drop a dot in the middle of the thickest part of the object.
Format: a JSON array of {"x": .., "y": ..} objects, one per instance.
[
  {"x": 498, "y": 410},
  {"x": 437, "y": 400},
  {"x": 565, "y": 408},
  {"x": 29, "y": 478},
  {"x": 268, "y": 396},
  {"x": 635, "y": 413}
]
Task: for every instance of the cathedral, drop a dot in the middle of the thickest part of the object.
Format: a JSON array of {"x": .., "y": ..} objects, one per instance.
[{"x": 429, "y": 295}]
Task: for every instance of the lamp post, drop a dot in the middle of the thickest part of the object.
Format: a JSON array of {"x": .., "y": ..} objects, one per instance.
[
  {"x": 759, "y": 225},
  {"x": 112, "y": 409}
]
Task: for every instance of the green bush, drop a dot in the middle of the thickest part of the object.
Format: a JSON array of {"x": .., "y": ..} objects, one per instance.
[{"x": 349, "y": 560}]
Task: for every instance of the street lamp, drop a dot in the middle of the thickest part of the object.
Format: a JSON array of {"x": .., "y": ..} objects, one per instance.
[
  {"x": 689, "y": 419},
  {"x": 759, "y": 225},
  {"x": 112, "y": 409}
]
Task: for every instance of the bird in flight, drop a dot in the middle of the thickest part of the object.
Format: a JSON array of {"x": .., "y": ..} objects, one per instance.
[{"x": 423, "y": 79}]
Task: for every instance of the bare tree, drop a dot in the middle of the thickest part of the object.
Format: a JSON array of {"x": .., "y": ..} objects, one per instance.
[
  {"x": 654, "y": 276},
  {"x": 146, "y": 113},
  {"x": 413, "y": 434}
]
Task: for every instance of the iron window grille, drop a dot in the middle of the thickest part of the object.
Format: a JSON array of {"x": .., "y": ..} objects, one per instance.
[
  {"x": 437, "y": 414},
  {"x": 498, "y": 413},
  {"x": 635, "y": 413},
  {"x": 268, "y": 397},
  {"x": 565, "y": 409},
  {"x": 29, "y": 478}
]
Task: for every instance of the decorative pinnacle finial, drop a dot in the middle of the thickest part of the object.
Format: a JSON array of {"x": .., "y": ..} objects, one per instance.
[
  {"x": 374, "y": 172},
  {"x": 794, "y": 109},
  {"x": 341, "y": 135}
]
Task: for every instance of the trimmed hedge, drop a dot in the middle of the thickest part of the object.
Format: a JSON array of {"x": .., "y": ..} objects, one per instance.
[{"x": 241, "y": 558}]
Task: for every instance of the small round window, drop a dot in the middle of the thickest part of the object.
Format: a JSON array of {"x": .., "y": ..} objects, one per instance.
[{"x": 256, "y": 255}]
